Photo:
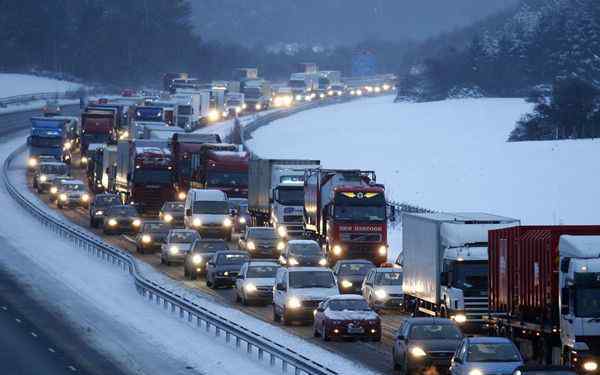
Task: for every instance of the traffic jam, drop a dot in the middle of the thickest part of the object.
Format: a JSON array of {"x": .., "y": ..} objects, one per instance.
[{"x": 307, "y": 247}]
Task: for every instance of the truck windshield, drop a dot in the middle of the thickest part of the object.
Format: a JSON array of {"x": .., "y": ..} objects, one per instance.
[
  {"x": 184, "y": 110},
  {"x": 211, "y": 207},
  {"x": 297, "y": 84},
  {"x": 587, "y": 302},
  {"x": 360, "y": 213},
  {"x": 152, "y": 177},
  {"x": 96, "y": 137},
  {"x": 252, "y": 93},
  {"x": 311, "y": 279},
  {"x": 148, "y": 114},
  {"x": 46, "y": 142},
  {"x": 471, "y": 277},
  {"x": 291, "y": 197},
  {"x": 227, "y": 179}
]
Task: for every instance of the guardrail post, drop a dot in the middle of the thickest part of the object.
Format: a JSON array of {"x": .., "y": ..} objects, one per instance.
[
  {"x": 261, "y": 354},
  {"x": 248, "y": 348},
  {"x": 284, "y": 366},
  {"x": 237, "y": 342},
  {"x": 227, "y": 337},
  {"x": 217, "y": 331},
  {"x": 272, "y": 359}
]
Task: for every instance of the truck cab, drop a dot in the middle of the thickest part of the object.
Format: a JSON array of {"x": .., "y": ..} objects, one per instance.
[
  {"x": 226, "y": 171},
  {"x": 48, "y": 138}
]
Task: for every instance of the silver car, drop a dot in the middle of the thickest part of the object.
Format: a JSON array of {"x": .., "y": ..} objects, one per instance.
[
  {"x": 485, "y": 355},
  {"x": 255, "y": 282},
  {"x": 72, "y": 193},
  {"x": 178, "y": 245}
]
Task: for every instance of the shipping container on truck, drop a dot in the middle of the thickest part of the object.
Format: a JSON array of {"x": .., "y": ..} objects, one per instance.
[
  {"x": 276, "y": 193},
  {"x": 345, "y": 210},
  {"x": 145, "y": 174},
  {"x": 186, "y": 150},
  {"x": 192, "y": 107},
  {"x": 544, "y": 284},
  {"x": 445, "y": 259},
  {"x": 226, "y": 171}
]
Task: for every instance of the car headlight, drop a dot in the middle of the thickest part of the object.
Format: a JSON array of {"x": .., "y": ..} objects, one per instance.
[
  {"x": 112, "y": 222},
  {"x": 168, "y": 218},
  {"x": 32, "y": 162},
  {"x": 258, "y": 107},
  {"x": 242, "y": 220},
  {"x": 227, "y": 222},
  {"x": 294, "y": 303},
  {"x": 380, "y": 294},
  {"x": 282, "y": 231},
  {"x": 197, "y": 222},
  {"x": 53, "y": 190},
  {"x": 85, "y": 197},
  {"x": 298, "y": 97},
  {"x": 346, "y": 284},
  {"x": 43, "y": 178},
  {"x": 224, "y": 114},
  {"x": 460, "y": 318},
  {"x": 99, "y": 213},
  {"x": 173, "y": 250},
  {"x": 382, "y": 250},
  {"x": 63, "y": 197},
  {"x": 280, "y": 245},
  {"x": 196, "y": 259},
  {"x": 213, "y": 115},
  {"x": 589, "y": 366},
  {"x": 250, "y": 245},
  {"x": 475, "y": 371},
  {"x": 181, "y": 195},
  {"x": 417, "y": 352},
  {"x": 137, "y": 222},
  {"x": 337, "y": 250},
  {"x": 250, "y": 288},
  {"x": 68, "y": 145},
  {"x": 322, "y": 262},
  {"x": 84, "y": 160},
  {"x": 293, "y": 261},
  {"x": 146, "y": 238},
  {"x": 244, "y": 106}
]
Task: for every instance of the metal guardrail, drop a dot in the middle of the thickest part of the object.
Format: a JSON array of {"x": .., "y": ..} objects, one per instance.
[
  {"x": 255, "y": 344},
  {"x": 17, "y": 99}
]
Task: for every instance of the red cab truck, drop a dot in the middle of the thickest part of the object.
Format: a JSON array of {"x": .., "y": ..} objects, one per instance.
[
  {"x": 226, "y": 171},
  {"x": 98, "y": 126},
  {"x": 187, "y": 148},
  {"x": 145, "y": 174},
  {"x": 544, "y": 291},
  {"x": 345, "y": 210}
]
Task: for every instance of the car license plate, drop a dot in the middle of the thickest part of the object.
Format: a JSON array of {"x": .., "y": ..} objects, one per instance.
[{"x": 355, "y": 330}]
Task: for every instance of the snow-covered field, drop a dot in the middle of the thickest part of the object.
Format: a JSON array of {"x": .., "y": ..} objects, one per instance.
[
  {"x": 21, "y": 84},
  {"x": 449, "y": 155}
]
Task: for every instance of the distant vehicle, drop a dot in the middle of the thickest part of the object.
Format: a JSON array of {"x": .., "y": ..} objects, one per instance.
[
  {"x": 151, "y": 236},
  {"x": 424, "y": 343},
  {"x": 351, "y": 274},
  {"x": 299, "y": 290},
  {"x": 382, "y": 288},
  {"x": 46, "y": 141},
  {"x": 172, "y": 213},
  {"x": 261, "y": 242},
  {"x": 255, "y": 282},
  {"x": 51, "y": 108},
  {"x": 544, "y": 370},
  {"x": 207, "y": 212},
  {"x": 55, "y": 184},
  {"x": 202, "y": 251},
  {"x": 121, "y": 219},
  {"x": 46, "y": 173},
  {"x": 72, "y": 193},
  {"x": 486, "y": 355},
  {"x": 177, "y": 246},
  {"x": 303, "y": 253},
  {"x": 224, "y": 267},
  {"x": 241, "y": 215},
  {"x": 346, "y": 316},
  {"x": 187, "y": 148},
  {"x": 99, "y": 207}
]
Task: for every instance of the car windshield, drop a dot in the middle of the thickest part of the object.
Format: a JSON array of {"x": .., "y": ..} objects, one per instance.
[
  {"x": 183, "y": 237},
  {"x": 434, "y": 332},
  {"x": 232, "y": 259},
  {"x": 311, "y": 279},
  {"x": 174, "y": 206},
  {"x": 123, "y": 211},
  {"x": 587, "y": 302},
  {"x": 155, "y": 228},
  {"x": 54, "y": 169},
  {"x": 210, "y": 247},
  {"x": 360, "y": 213},
  {"x": 74, "y": 187},
  {"x": 291, "y": 197},
  {"x": 106, "y": 200},
  {"x": 492, "y": 352},
  {"x": 388, "y": 278},
  {"x": 262, "y": 233},
  {"x": 310, "y": 248},
  {"x": 349, "y": 304},
  {"x": 261, "y": 271},
  {"x": 360, "y": 269},
  {"x": 211, "y": 207}
]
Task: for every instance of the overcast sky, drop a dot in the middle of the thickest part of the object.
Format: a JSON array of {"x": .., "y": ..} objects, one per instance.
[{"x": 335, "y": 21}]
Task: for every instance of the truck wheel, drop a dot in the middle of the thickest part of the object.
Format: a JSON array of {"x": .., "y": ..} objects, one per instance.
[
  {"x": 324, "y": 333},
  {"x": 244, "y": 300},
  {"x": 285, "y": 318},
  {"x": 276, "y": 317}
]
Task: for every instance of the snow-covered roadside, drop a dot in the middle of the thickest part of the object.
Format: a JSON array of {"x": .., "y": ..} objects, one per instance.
[
  {"x": 36, "y": 104},
  {"x": 12, "y": 84},
  {"x": 80, "y": 274},
  {"x": 101, "y": 301}
]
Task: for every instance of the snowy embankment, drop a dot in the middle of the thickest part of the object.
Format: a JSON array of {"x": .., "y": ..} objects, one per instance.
[
  {"x": 108, "y": 290},
  {"x": 450, "y": 155}
]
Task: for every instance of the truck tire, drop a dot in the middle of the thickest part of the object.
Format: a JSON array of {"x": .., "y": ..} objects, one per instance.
[{"x": 286, "y": 319}]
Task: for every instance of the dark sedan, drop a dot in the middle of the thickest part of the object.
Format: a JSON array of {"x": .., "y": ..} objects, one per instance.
[
  {"x": 261, "y": 242},
  {"x": 202, "y": 251},
  {"x": 121, "y": 219},
  {"x": 351, "y": 273},
  {"x": 303, "y": 253},
  {"x": 425, "y": 343},
  {"x": 99, "y": 207},
  {"x": 224, "y": 267},
  {"x": 346, "y": 316},
  {"x": 172, "y": 214},
  {"x": 151, "y": 236}
]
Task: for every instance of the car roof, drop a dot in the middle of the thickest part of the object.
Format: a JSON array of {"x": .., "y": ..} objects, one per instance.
[
  {"x": 183, "y": 231},
  {"x": 487, "y": 339},
  {"x": 57, "y": 163},
  {"x": 309, "y": 269},
  {"x": 121, "y": 206},
  {"x": 231, "y": 252},
  {"x": 301, "y": 242},
  {"x": 263, "y": 263},
  {"x": 72, "y": 182},
  {"x": 354, "y": 261},
  {"x": 387, "y": 269},
  {"x": 429, "y": 320},
  {"x": 207, "y": 240},
  {"x": 347, "y": 297}
]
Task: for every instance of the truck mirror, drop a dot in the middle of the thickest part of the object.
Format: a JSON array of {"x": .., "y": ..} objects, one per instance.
[
  {"x": 444, "y": 278},
  {"x": 564, "y": 265},
  {"x": 188, "y": 212},
  {"x": 392, "y": 213},
  {"x": 564, "y": 301},
  {"x": 564, "y": 309}
]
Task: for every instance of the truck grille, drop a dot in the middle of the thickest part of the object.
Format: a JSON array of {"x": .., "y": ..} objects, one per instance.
[
  {"x": 476, "y": 308},
  {"x": 360, "y": 237},
  {"x": 293, "y": 218}
]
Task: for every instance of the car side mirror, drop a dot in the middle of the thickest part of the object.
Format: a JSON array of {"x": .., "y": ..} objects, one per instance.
[
  {"x": 400, "y": 336},
  {"x": 320, "y": 309},
  {"x": 188, "y": 212},
  {"x": 458, "y": 360},
  {"x": 211, "y": 264}
]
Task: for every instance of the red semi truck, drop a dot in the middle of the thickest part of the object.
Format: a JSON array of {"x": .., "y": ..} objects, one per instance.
[
  {"x": 187, "y": 148},
  {"x": 97, "y": 127},
  {"x": 145, "y": 174},
  {"x": 345, "y": 210},
  {"x": 544, "y": 292},
  {"x": 226, "y": 171}
]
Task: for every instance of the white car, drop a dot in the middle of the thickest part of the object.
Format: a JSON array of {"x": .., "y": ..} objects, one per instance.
[
  {"x": 299, "y": 290},
  {"x": 382, "y": 288},
  {"x": 178, "y": 245},
  {"x": 255, "y": 282},
  {"x": 71, "y": 193}
]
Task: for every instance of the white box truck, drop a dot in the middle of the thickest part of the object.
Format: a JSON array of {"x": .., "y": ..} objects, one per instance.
[
  {"x": 445, "y": 264},
  {"x": 276, "y": 193}
]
